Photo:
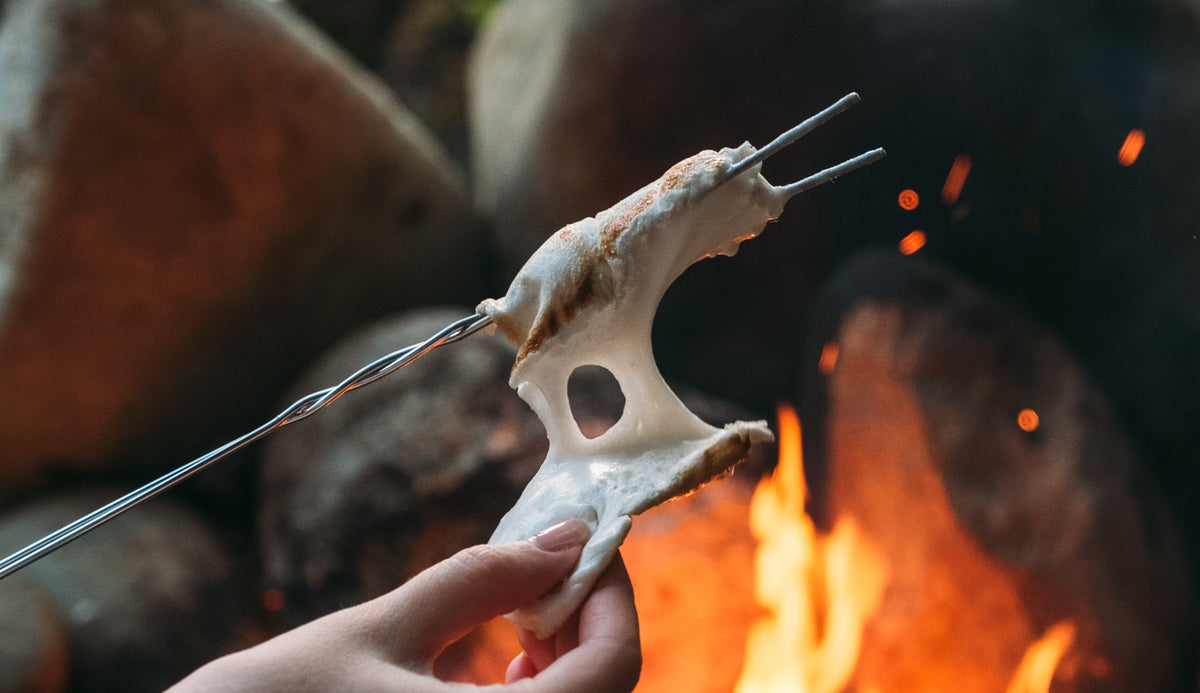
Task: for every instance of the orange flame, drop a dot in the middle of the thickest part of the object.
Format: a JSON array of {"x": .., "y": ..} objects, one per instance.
[
  {"x": 818, "y": 590},
  {"x": 1131, "y": 148},
  {"x": 908, "y": 200},
  {"x": 956, "y": 179},
  {"x": 1036, "y": 670}
]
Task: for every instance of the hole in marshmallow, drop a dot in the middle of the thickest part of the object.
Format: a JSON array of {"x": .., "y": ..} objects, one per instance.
[{"x": 597, "y": 401}]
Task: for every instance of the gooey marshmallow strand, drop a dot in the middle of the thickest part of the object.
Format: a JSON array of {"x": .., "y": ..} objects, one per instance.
[{"x": 621, "y": 262}]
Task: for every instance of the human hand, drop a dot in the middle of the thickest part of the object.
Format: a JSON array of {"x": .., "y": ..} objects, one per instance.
[{"x": 390, "y": 643}]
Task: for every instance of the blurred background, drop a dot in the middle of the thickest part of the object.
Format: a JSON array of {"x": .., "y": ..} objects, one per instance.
[{"x": 209, "y": 208}]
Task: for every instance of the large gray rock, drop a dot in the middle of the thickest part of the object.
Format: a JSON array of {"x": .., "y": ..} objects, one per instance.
[
  {"x": 142, "y": 600},
  {"x": 195, "y": 198},
  {"x": 996, "y": 525}
]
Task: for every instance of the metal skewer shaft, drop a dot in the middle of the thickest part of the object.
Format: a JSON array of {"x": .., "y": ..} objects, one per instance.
[{"x": 302, "y": 408}]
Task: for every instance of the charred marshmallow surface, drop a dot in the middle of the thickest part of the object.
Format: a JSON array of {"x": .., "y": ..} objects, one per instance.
[{"x": 588, "y": 297}]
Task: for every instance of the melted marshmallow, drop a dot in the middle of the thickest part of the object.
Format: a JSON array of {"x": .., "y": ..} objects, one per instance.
[{"x": 588, "y": 297}]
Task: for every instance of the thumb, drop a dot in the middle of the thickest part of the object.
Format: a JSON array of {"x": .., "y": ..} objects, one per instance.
[{"x": 451, "y": 598}]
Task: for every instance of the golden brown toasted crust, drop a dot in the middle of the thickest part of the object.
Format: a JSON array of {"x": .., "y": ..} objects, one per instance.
[
  {"x": 716, "y": 462},
  {"x": 595, "y": 283},
  {"x": 613, "y": 228},
  {"x": 594, "y": 280},
  {"x": 620, "y": 223}
]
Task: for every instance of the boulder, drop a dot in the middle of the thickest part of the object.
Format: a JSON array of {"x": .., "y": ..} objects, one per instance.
[
  {"x": 196, "y": 198},
  {"x": 994, "y": 474},
  {"x": 142, "y": 600}
]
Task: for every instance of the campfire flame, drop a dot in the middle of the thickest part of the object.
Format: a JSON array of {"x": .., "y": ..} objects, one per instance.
[
  {"x": 1041, "y": 659},
  {"x": 818, "y": 590}
]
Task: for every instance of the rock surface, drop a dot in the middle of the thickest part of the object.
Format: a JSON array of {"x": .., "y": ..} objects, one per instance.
[
  {"x": 994, "y": 474},
  {"x": 33, "y": 642},
  {"x": 142, "y": 601},
  {"x": 196, "y": 199}
]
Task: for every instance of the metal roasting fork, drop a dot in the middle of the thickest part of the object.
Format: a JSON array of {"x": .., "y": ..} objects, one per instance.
[{"x": 460, "y": 329}]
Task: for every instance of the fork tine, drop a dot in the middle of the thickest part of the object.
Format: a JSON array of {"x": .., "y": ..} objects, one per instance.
[
  {"x": 832, "y": 172},
  {"x": 810, "y": 124}
]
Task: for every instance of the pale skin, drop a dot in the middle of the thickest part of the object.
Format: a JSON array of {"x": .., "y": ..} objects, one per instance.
[{"x": 390, "y": 643}]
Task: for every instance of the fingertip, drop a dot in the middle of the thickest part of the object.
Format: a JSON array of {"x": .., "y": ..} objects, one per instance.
[
  {"x": 539, "y": 652},
  {"x": 521, "y": 667},
  {"x": 568, "y": 534}
]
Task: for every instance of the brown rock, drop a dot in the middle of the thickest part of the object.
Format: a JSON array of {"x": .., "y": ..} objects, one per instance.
[
  {"x": 196, "y": 199},
  {"x": 143, "y": 600},
  {"x": 33, "y": 642},
  {"x": 993, "y": 473}
]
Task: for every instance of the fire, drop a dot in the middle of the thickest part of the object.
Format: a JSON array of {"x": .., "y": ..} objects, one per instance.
[
  {"x": 1041, "y": 659},
  {"x": 825, "y": 596},
  {"x": 908, "y": 199},
  {"x": 821, "y": 590},
  {"x": 818, "y": 590}
]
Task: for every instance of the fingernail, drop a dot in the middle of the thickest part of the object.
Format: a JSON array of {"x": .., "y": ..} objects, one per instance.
[{"x": 562, "y": 536}]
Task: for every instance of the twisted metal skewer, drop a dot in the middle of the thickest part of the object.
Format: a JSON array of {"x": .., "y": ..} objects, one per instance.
[{"x": 301, "y": 409}]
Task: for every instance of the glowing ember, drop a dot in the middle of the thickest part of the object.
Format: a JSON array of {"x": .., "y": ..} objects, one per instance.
[
  {"x": 818, "y": 590},
  {"x": 912, "y": 242},
  {"x": 273, "y": 599},
  {"x": 909, "y": 200},
  {"x": 1041, "y": 659},
  {"x": 955, "y": 180},
  {"x": 1131, "y": 147},
  {"x": 1028, "y": 420},
  {"x": 828, "y": 360}
]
